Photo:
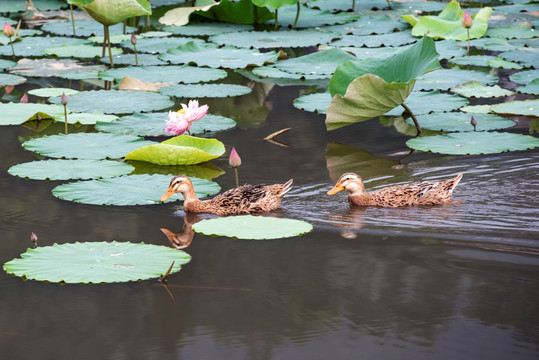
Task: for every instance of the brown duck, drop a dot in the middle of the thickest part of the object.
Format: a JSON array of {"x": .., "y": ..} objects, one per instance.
[
  {"x": 417, "y": 193},
  {"x": 246, "y": 199}
]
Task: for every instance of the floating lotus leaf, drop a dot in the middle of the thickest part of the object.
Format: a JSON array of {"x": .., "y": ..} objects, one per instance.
[
  {"x": 476, "y": 60},
  {"x": 52, "y": 67},
  {"x": 179, "y": 150},
  {"x": 86, "y": 118},
  {"x": 83, "y": 28},
  {"x": 114, "y": 39},
  {"x": 473, "y": 143},
  {"x": 96, "y": 262},
  {"x": 153, "y": 124},
  {"x": 172, "y": 74},
  {"x": 476, "y": 109},
  {"x": 525, "y": 77},
  {"x": 252, "y": 227},
  {"x": 474, "y": 89},
  {"x": 368, "y": 25},
  {"x": 228, "y": 57},
  {"x": 127, "y": 190},
  {"x": 275, "y": 39},
  {"x": 18, "y": 113},
  {"x": 6, "y": 64},
  {"x": 345, "y": 5},
  {"x": 518, "y": 31},
  {"x": 492, "y": 44},
  {"x": 309, "y": 18},
  {"x": 317, "y": 103},
  {"x": 274, "y": 73},
  {"x": 204, "y": 170},
  {"x": 80, "y": 51},
  {"x": 4, "y": 40},
  {"x": 70, "y": 169},
  {"x": 318, "y": 63},
  {"x": 207, "y": 29},
  {"x": 116, "y": 101},
  {"x": 364, "y": 89},
  {"x": 8, "y": 79},
  {"x": 365, "y": 52},
  {"x": 448, "y": 24},
  {"x": 205, "y": 90},
  {"x": 444, "y": 79},
  {"x": 85, "y": 145},
  {"x": 111, "y": 12},
  {"x": 531, "y": 88},
  {"x": 10, "y": 6},
  {"x": 48, "y": 92},
  {"x": 518, "y": 107},
  {"x": 129, "y": 59},
  {"x": 525, "y": 56},
  {"x": 34, "y": 46},
  {"x": 458, "y": 121},
  {"x": 421, "y": 102},
  {"x": 499, "y": 63},
  {"x": 159, "y": 45},
  {"x": 392, "y": 39}
]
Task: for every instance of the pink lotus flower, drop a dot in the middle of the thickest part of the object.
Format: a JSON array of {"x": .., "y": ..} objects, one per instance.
[
  {"x": 193, "y": 111},
  {"x": 8, "y": 30},
  {"x": 9, "y": 88},
  {"x": 234, "y": 160},
  {"x": 177, "y": 123},
  {"x": 467, "y": 21},
  {"x": 24, "y": 98}
]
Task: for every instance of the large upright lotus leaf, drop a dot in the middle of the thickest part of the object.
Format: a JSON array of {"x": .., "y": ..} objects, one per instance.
[
  {"x": 52, "y": 67},
  {"x": 18, "y": 113},
  {"x": 80, "y": 51},
  {"x": 207, "y": 29},
  {"x": 275, "y": 39},
  {"x": 116, "y": 101},
  {"x": 250, "y": 227},
  {"x": 317, "y": 103},
  {"x": 111, "y": 12},
  {"x": 318, "y": 63},
  {"x": 153, "y": 124},
  {"x": 70, "y": 169},
  {"x": 8, "y": 79},
  {"x": 474, "y": 143},
  {"x": 228, "y": 57},
  {"x": 171, "y": 74},
  {"x": 421, "y": 102},
  {"x": 86, "y": 118},
  {"x": 459, "y": 121},
  {"x": 309, "y": 18},
  {"x": 159, "y": 45},
  {"x": 393, "y": 39},
  {"x": 448, "y": 24},
  {"x": 48, "y": 92},
  {"x": 205, "y": 90},
  {"x": 239, "y": 12},
  {"x": 127, "y": 190},
  {"x": 179, "y": 150},
  {"x": 275, "y": 4},
  {"x": 518, "y": 107},
  {"x": 83, "y": 28},
  {"x": 445, "y": 79},
  {"x": 204, "y": 170},
  {"x": 96, "y": 262},
  {"x": 369, "y": 24},
  {"x": 85, "y": 145}
]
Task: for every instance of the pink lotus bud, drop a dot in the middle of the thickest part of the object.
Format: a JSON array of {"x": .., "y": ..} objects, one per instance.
[
  {"x": 234, "y": 160},
  {"x": 24, "y": 98},
  {"x": 133, "y": 39},
  {"x": 467, "y": 20},
  {"x": 473, "y": 122},
  {"x": 9, "y": 88},
  {"x": 63, "y": 99},
  {"x": 33, "y": 237},
  {"x": 8, "y": 30}
]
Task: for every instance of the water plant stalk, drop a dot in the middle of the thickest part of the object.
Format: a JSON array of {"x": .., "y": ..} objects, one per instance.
[
  {"x": 72, "y": 19},
  {"x": 276, "y": 19},
  {"x": 297, "y": 15},
  {"x": 236, "y": 174},
  {"x": 107, "y": 40},
  {"x": 12, "y": 48},
  {"x": 413, "y": 118},
  {"x": 468, "y": 48},
  {"x": 65, "y": 118}
]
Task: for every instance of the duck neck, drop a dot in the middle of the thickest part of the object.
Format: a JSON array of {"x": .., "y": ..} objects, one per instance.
[
  {"x": 357, "y": 189},
  {"x": 190, "y": 198}
]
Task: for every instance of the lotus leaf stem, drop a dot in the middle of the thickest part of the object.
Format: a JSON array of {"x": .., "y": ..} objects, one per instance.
[
  {"x": 136, "y": 56},
  {"x": 107, "y": 39},
  {"x": 468, "y": 49},
  {"x": 72, "y": 19},
  {"x": 297, "y": 16},
  {"x": 65, "y": 117},
  {"x": 353, "y": 5},
  {"x": 12, "y": 48},
  {"x": 276, "y": 19},
  {"x": 389, "y": 5},
  {"x": 413, "y": 118},
  {"x": 236, "y": 173}
]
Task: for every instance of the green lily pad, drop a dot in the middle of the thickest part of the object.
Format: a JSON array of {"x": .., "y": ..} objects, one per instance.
[
  {"x": 448, "y": 24},
  {"x": 83, "y": 28},
  {"x": 346, "y": 5},
  {"x": 317, "y": 103},
  {"x": 444, "y": 79},
  {"x": 129, "y": 59},
  {"x": 153, "y": 124},
  {"x": 23, "y": 33},
  {"x": 172, "y": 74},
  {"x": 476, "y": 109},
  {"x": 114, "y": 39},
  {"x": 393, "y": 39},
  {"x": 52, "y": 67},
  {"x": 368, "y": 25},
  {"x": 113, "y": 11},
  {"x": 96, "y": 262},
  {"x": 476, "y": 60},
  {"x": 491, "y": 44},
  {"x": 34, "y": 46},
  {"x": 6, "y": 64},
  {"x": 517, "y": 31},
  {"x": 458, "y": 121},
  {"x": 207, "y": 29},
  {"x": 86, "y": 118},
  {"x": 499, "y": 63},
  {"x": 10, "y": 6},
  {"x": 275, "y": 75},
  {"x": 70, "y": 169},
  {"x": 252, "y": 227},
  {"x": 276, "y": 39},
  {"x": 179, "y": 150},
  {"x": 421, "y": 102},
  {"x": 116, "y": 101},
  {"x": 48, "y": 92},
  {"x": 85, "y": 145},
  {"x": 310, "y": 18},
  {"x": 318, "y": 63},
  {"x": 159, "y": 45},
  {"x": 205, "y": 90},
  {"x": 127, "y": 190},
  {"x": 202, "y": 171},
  {"x": 525, "y": 56},
  {"x": 524, "y": 77},
  {"x": 474, "y": 89},
  {"x": 473, "y": 143},
  {"x": 518, "y": 107},
  {"x": 8, "y": 79},
  {"x": 228, "y": 57},
  {"x": 80, "y": 51},
  {"x": 531, "y": 88},
  {"x": 19, "y": 113}
]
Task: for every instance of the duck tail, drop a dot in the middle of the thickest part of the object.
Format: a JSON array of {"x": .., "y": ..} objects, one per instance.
[
  {"x": 455, "y": 181},
  {"x": 286, "y": 187}
]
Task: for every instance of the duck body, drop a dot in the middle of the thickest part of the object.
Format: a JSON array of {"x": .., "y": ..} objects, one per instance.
[
  {"x": 412, "y": 194},
  {"x": 246, "y": 199}
]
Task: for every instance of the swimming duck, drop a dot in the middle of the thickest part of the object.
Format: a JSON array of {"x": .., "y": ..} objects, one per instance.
[
  {"x": 417, "y": 193},
  {"x": 246, "y": 199}
]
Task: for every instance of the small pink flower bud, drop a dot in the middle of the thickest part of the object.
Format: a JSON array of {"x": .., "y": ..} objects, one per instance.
[
  {"x": 473, "y": 122},
  {"x": 133, "y": 39},
  {"x": 33, "y": 237},
  {"x": 234, "y": 160},
  {"x": 24, "y": 98},
  {"x": 63, "y": 99},
  {"x": 467, "y": 21},
  {"x": 8, "y": 30},
  {"x": 9, "y": 88}
]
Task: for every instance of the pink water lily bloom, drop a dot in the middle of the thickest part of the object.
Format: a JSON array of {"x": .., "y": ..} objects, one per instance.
[
  {"x": 234, "y": 160},
  {"x": 8, "y": 30},
  {"x": 177, "y": 123},
  {"x": 467, "y": 21},
  {"x": 193, "y": 111}
]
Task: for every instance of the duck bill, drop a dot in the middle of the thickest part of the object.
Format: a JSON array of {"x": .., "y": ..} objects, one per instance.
[
  {"x": 167, "y": 194},
  {"x": 335, "y": 189}
]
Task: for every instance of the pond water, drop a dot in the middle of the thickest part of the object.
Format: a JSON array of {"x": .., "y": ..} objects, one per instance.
[{"x": 448, "y": 282}]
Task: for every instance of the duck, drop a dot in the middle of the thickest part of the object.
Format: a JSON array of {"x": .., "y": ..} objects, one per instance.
[
  {"x": 246, "y": 199},
  {"x": 411, "y": 194}
]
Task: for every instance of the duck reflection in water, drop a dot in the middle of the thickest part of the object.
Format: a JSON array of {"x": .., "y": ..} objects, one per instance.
[{"x": 183, "y": 239}]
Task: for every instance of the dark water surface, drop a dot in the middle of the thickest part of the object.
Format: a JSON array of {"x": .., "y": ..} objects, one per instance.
[{"x": 448, "y": 282}]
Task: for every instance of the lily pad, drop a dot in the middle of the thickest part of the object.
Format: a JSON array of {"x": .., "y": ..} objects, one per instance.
[
  {"x": 116, "y": 101},
  {"x": 499, "y": 63},
  {"x": 153, "y": 124},
  {"x": 369, "y": 25},
  {"x": 70, "y": 169},
  {"x": 205, "y": 90},
  {"x": 34, "y": 46},
  {"x": 127, "y": 190},
  {"x": 421, "y": 102},
  {"x": 171, "y": 74},
  {"x": 8, "y": 79},
  {"x": 444, "y": 79},
  {"x": 9, "y": 6},
  {"x": 179, "y": 150},
  {"x": 458, "y": 121},
  {"x": 474, "y": 89},
  {"x": 476, "y": 60},
  {"x": 518, "y": 31},
  {"x": 86, "y": 118},
  {"x": 18, "y": 113},
  {"x": 206, "y": 29},
  {"x": 228, "y": 57},
  {"x": 275, "y": 75},
  {"x": 85, "y": 145},
  {"x": 48, "y": 92},
  {"x": 80, "y": 51},
  {"x": 202, "y": 171},
  {"x": 310, "y": 18},
  {"x": 532, "y": 88},
  {"x": 52, "y": 67},
  {"x": 393, "y": 39},
  {"x": 525, "y": 77},
  {"x": 129, "y": 59},
  {"x": 83, "y": 28},
  {"x": 276, "y": 39},
  {"x": 317, "y": 103},
  {"x": 473, "y": 143},
  {"x": 525, "y": 56},
  {"x": 6, "y": 64},
  {"x": 518, "y": 107},
  {"x": 96, "y": 262},
  {"x": 318, "y": 63},
  {"x": 23, "y": 33},
  {"x": 159, "y": 45},
  {"x": 252, "y": 227}
]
